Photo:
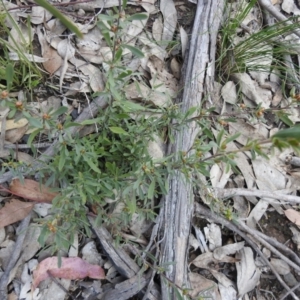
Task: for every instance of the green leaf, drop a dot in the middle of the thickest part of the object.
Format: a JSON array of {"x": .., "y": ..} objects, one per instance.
[
  {"x": 137, "y": 17},
  {"x": 129, "y": 106},
  {"x": 91, "y": 164},
  {"x": 135, "y": 51},
  {"x": 35, "y": 123},
  {"x": 118, "y": 55},
  {"x": 285, "y": 119},
  {"x": 60, "y": 111},
  {"x": 151, "y": 188},
  {"x": 118, "y": 130},
  {"x": 290, "y": 133},
  {"x": 219, "y": 137},
  {"x": 32, "y": 136},
  {"x": 9, "y": 72},
  {"x": 62, "y": 160},
  {"x": 124, "y": 4},
  {"x": 232, "y": 138},
  {"x": 63, "y": 19},
  {"x": 190, "y": 112}
]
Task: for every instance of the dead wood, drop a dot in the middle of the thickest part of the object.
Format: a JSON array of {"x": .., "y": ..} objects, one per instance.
[
  {"x": 126, "y": 266},
  {"x": 198, "y": 79}
]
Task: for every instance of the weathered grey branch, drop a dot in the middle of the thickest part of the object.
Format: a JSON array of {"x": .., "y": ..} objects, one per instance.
[
  {"x": 225, "y": 193},
  {"x": 198, "y": 78}
]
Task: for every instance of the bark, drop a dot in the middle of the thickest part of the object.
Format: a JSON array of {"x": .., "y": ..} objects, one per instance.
[{"x": 198, "y": 77}]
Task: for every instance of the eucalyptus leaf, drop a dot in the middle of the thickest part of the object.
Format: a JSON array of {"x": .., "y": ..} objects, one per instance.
[{"x": 63, "y": 19}]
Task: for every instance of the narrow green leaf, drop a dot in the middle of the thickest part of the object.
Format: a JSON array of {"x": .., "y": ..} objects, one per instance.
[
  {"x": 289, "y": 133},
  {"x": 232, "y": 138},
  {"x": 137, "y": 17},
  {"x": 219, "y": 137},
  {"x": 151, "y": 188},
  {"x": 9, "y": 71},
  {"x": 135, "y": 51},
  {"x": 60, "y": 111},
  {"x": 62, "y": 160},
  {"x": 92, "y": 165},
  {"x": 32, "y": 136},
  {"x": 285, "y": 119},
  {"x": 118, "y": 55},
  {"x": 35, "y": 123},
  {"x": 124, "y": 4},
  {"x": 56, "y": 13},
  {"x": 118, "y": 130}
]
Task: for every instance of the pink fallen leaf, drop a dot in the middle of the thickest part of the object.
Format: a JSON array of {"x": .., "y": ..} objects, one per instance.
[
  {"x": 71, "y": 268},
  {"x": 14, "y": 211},
  {"x": 293, "y": 216}
]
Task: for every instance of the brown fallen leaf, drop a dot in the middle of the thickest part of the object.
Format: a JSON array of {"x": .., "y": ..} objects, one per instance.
[
  {"x": 293, "y": 216},
  {"x": 32, "y": 190},
  {"x": 71, "y": 268},
  {"x": 14, "y": 211}
]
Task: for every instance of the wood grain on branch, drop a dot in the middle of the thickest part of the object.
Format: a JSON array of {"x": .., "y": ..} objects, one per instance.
[{"x": 198, "y": 79}]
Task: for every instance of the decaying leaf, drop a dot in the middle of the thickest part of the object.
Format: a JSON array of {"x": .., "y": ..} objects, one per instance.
[
  {"x": 293, "y": 216},
  {"x": 157, "y": 29},
  {"x": 213, "y": 235},
  {"x": 54, "y": 61},
  {"x": 248, "y": 274},
  {"x": 32, "y": 190},
  {"x": 12, "y": 124},
  {"x": 71, "y": 268},
  {"x": 280, "y": 266},
  {"x": 14, "y": 211},
  {"x": 220, "y": 252},
  {"x": 205, "y": 259},
  {"x": 95, "y": 76},
  {"x": 169, "y": 12},
  {"x": 203, "y": 287}
]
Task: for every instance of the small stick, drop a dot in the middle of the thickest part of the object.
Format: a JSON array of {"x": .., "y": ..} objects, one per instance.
[
  {"x": 22, "y": 228},
  {"x": 225, "y": 193}
]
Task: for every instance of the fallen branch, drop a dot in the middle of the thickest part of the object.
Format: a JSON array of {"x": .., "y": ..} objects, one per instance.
[
  {"x": 198, "y": 79},
  {"x": 227, "y": 193}
]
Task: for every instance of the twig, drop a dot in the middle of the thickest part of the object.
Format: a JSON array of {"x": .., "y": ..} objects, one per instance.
[
  {"x": 60, "y": 285},
  {"x": 267, "y": 5},
  {"x": 267, "y": 245},
  {"x": 225, "y": 193},
  {"x": 278, "y": 245},
  {"x": 292, "y": 290},
  {"x": 201, "y": 210},
  {"x": 22, "y": 228},
  {"x": 24, "y": 146}
]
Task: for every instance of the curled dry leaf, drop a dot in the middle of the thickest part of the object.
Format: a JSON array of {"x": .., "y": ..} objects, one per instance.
[
  {"x": 203, "y": 286},
  {"x": 220, "y": 252},
  {"x": 71, "y": 268},
  {"x": 32, "y": 190},
  {"x": 293, "y": 216},
  {"x": 248, "y": 274},
  {"x": 14, "y": 211}
]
